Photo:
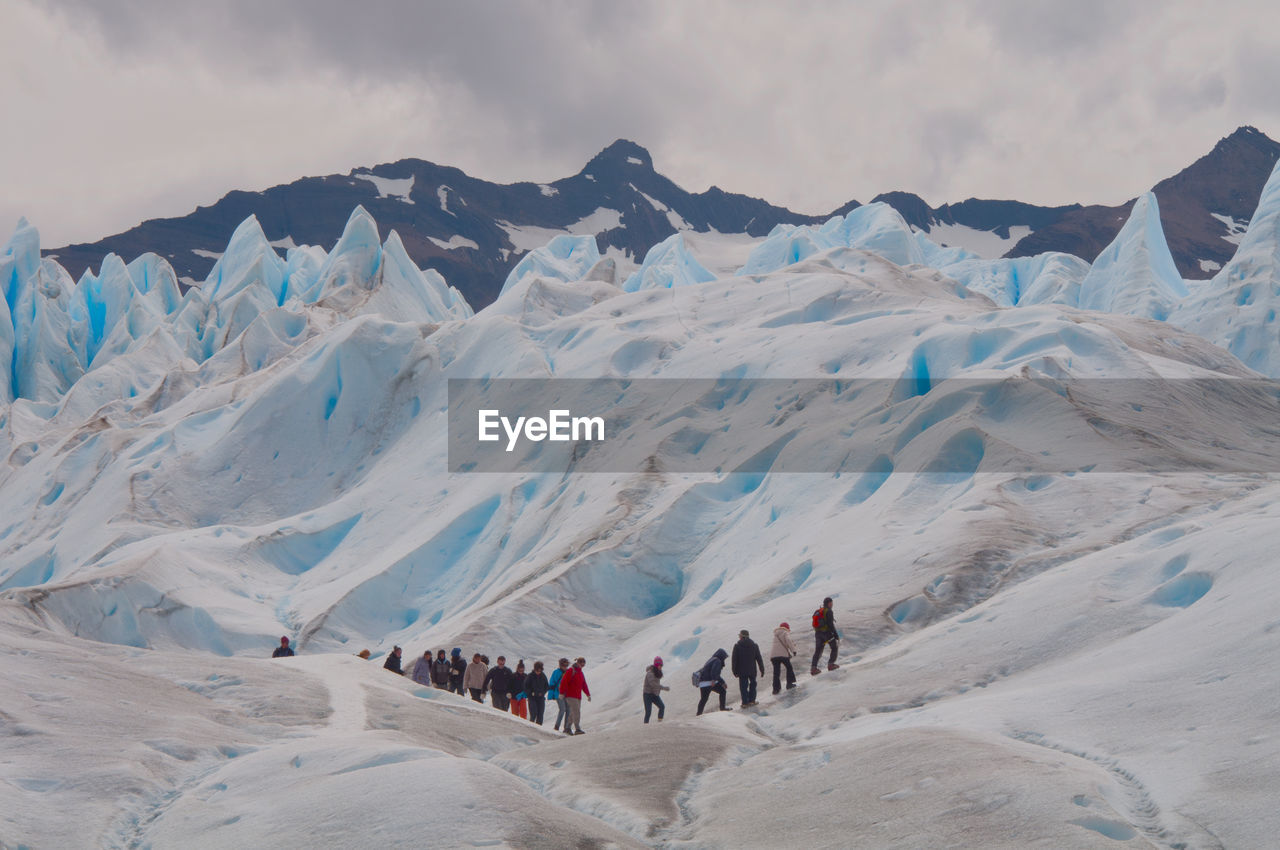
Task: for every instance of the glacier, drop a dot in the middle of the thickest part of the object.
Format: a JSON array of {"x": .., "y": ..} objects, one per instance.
[
  {"x": 56, "y": 331},
  {"x": 1064, "y": 657},
  {"x": 1135, "y": 274},
  {"x": 1236, "y": 308},
  {"x": 668, "y": 264}
]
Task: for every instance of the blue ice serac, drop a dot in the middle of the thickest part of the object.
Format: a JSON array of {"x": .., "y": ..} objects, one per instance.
[{"x": 53, "y": 331}]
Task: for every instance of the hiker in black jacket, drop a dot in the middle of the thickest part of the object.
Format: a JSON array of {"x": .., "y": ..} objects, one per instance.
[
  {"x": 457, "y": 669},
  {"x": 746, "y": 661},
  {"x": 498, "y": 684},
  {"x": 535, "y": 688},
  {"x": 824, "y": 632},
  {"x": 709, "y": 679},
  {"x": 440, "y": 669},
  {"x": 393, "y": 662}
]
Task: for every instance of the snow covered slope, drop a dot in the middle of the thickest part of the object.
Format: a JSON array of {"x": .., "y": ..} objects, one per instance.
[{"x": 1031, "y": 653}]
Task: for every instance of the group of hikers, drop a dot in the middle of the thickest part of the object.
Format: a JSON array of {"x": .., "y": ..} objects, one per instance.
[
  {"x": 525, "y": 694},
  {"x": 747, "y": 660}
]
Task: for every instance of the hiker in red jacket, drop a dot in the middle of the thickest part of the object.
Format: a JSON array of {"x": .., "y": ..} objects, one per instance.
[{"x": 573, "y": 684}]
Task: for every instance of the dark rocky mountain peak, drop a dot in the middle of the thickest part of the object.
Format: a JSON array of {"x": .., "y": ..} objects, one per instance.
[
  {"x": 1225, "y": 183},
  {"x": 621, "y": 156},
  {"x": 912, "y": 208}
]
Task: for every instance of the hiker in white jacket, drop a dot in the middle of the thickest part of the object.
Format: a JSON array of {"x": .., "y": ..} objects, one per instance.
[{"x": 783, "y": 650}]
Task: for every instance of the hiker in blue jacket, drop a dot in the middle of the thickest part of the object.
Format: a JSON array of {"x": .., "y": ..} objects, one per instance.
[
  {"x": 709, "y": 680},
  {"x": 553, "y": 692}
]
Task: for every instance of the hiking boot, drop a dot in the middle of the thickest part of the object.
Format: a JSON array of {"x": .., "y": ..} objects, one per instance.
[
  {"x": 814, "y": 671},
  {"x": 833, "y": 666},
  {"x": 790, "y": 686}
]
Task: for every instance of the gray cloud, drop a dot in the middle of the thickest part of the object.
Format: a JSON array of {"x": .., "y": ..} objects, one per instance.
[
  {"x": 143, "y": 108},
  {"x": 1052, "y": 29}
]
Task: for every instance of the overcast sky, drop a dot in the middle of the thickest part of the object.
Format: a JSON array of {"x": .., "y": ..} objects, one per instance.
[{"x": 116, "y": 112}]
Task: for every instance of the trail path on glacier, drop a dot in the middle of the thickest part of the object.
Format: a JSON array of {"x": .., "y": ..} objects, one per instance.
[
  {"x": 347, "y": 687},
  {"x": 351, "y": 747}
]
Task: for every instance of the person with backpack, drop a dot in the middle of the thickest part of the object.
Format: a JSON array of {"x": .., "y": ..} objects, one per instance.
[
  {"x": 553, "y": 692},
  {"x": 573, "y": 685},
  {"x": 535, "y": 688},
  {"x": 457, "y": 670},
  {"x": 653, "y": 689},
  {"x": 519, "y": 700},
  {"x": 422, "y": 670},
  {"x": 474, "y": 678},
  {"x": 784, "y": 648},
  {"x": 746, "y": 660},
  {"x": 824, "y": 632},
  {"x": 393, "y": 662},
  {"x": 440, "y": 669},
  {"x": 709, "y": 679},
  {"x": 283, "y": 650},
  {"x": 498, "y": 684}
]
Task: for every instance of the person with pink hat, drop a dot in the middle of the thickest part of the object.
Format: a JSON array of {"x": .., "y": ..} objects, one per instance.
[
  {"x": 653, "y": 689},
  {"x": 784, "y": 649}
]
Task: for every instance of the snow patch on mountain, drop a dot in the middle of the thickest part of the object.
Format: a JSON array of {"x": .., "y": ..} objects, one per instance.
[
  {"x": 985, "y": 243},
  {"x": 392, "y": 187},
  {"x": 455, "y": 241},
  {"x": 529, "y": 237},
  {"x": 1235, "y": 229}
]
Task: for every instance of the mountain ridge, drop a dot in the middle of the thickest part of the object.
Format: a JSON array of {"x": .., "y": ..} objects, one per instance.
[{"x": 473, "y": 232}]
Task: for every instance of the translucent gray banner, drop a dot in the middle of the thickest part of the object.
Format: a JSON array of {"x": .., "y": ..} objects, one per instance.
[{"x": 950, "y": 427}]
